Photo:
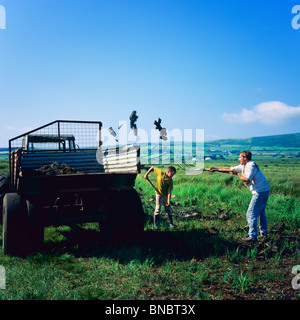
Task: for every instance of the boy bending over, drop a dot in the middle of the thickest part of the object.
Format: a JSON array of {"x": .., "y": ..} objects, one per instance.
[{"x": 163, "y": 192}]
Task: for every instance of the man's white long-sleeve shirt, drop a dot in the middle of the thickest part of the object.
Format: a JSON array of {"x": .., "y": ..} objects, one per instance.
[{"x": 258, "y": 182}]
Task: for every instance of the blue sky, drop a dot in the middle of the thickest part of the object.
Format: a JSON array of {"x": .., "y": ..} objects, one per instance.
[{"x": 228, "y": 67}]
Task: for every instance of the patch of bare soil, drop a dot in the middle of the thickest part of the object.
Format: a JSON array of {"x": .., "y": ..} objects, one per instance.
[
  {"x": 272, "y": 265},
  {"x": 259, "y": 271}
]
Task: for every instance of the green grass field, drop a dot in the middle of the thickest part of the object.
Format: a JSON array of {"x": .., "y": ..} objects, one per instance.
[{"x": 201, "y": 258}]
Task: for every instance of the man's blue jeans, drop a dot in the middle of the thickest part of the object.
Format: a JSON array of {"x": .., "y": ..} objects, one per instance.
[{"x": 256, "y": 210}]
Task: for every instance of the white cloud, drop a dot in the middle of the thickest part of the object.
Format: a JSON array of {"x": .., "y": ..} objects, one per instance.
[{"x": 269, "y": 113}]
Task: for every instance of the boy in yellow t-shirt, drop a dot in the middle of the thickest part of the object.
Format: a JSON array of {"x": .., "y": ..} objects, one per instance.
[{"x": 164, "y": 187}]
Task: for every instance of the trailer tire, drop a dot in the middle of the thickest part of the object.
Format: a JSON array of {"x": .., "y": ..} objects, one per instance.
[
  {"x": 35, "y": 228},
  {"x": 3, "y": 183},
  {"x": 15, "y": 221},
  {"x": 3, "y": 191},
  {"x": 125, "y": 221}
]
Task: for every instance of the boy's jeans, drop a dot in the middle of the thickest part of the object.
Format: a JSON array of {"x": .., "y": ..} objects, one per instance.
[
  {"x": 159, "y": 202},
  {"x": 256, "y": 210}
]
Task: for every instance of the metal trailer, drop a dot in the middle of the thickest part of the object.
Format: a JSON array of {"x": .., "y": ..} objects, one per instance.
[{"x": 99, "y": 189}]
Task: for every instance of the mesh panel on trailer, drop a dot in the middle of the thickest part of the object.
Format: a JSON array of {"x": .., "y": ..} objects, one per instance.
[{"x": 60, "y": 135}]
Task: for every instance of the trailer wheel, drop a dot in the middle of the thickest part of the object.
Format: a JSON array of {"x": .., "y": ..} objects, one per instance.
[
  {"x": 125, "y": 221},
  {"x": 3, "y": 191},
  {"x": 15, "y": 220},
  {"x": 3, "y": 184},
  {"x": 35, "y": 227},
  {"x": 134, "y": 225}
]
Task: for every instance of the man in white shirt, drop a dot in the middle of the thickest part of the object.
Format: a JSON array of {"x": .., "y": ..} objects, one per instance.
[{"x": 249, "y": 173}]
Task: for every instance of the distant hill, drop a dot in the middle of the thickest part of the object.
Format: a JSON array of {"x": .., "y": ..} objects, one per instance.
[
  {"x": 280, "y": 146},
  {"x": 283, "y": 140}
]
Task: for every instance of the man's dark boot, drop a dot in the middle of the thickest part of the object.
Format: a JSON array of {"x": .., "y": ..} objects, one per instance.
[{"x": 249, "y": 240}]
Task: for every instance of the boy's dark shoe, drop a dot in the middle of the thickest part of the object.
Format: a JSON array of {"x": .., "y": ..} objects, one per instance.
[
  {"x": 156, "y": 220},
  {"x": 171, "y": 224}
]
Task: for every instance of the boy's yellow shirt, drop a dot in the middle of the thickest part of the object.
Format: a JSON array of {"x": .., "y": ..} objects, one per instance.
[{"x": 163, "y": 184}]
